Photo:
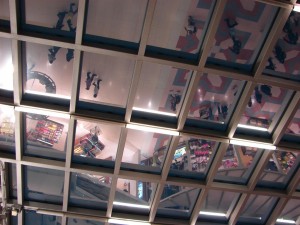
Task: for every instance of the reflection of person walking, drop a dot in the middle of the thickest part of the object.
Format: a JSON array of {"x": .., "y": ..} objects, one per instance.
[
  {"x": 89, "y": 80},
  {"x": 97, "y": 87}
]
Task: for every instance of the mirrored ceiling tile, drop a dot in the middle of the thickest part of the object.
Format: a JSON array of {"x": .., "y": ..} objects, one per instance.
[
  {"x": 177, "y": 201},
  {"x": 279, "y": 170},
  {"x": 6, "y": 65},
  {"x": 46, "y": 136},
  {"x": 182, "y": 28},
  {"x": 215, "y": 98},
  {"x": 192, "y": 157},
  {"x": 49, "y": 70},
  {"x": 89, "y": 191},
  {"x": 238, "y": 163},
  {"x": 57, "y": 15},
  {"x": 218, "y": 205},
  {"x": 12, "y": 181},
  {"x": 43, "y": 185},
  {"x": 257, "y": 209},
  {"x": 125, "y": 24},
  {"x": 96, "y": 143},
  {"x": 294, "y": 126},
  {"x": 264, "y": 108},
  {"x": 291, "y": 212},
  {"x": 105, "y": 79},
  {"x": 241, "y": 33},
  {"x": 145, "y": 150},
  {"x": 7, "y": 128},
  {"x": 4, "y": 10},
  {"x": 161, "y": 89},
  {"x": 283, "y": 61}
]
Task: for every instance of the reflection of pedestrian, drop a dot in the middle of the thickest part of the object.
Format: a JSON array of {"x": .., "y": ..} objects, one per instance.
[
  {"x": 258, "y": 95},
  {"x": 271, "y": 65},
  {"x": 89, "y": 80},
  {"x": 237, "y": 44},
  {"x": 70, "y": 55},
  {"x": 97, "y": 87},
  {"x": 175, "y": 99},
  {"x": 52, "y": 53},
  {"x": 191, "y": 28},
  {"x": 280, "y": 54}
]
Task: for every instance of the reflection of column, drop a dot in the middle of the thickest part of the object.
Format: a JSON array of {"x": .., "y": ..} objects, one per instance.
[
  {"x": 188, "y": 155},
  {"x": 136, "y": 158}
]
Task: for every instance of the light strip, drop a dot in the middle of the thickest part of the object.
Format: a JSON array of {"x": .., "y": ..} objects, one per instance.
[
  {"x": 127, "y": 222},
  {"x": 132, "y": 205},
  {"x": 253, "y": 144},
  {"x": 152, "y": 129},
  {"x": 252, "y": 127},
  {"x": 51, "y": 213},
  {"x": 212, "y": 214},
  {"x": 154, "y": 111},
  {"x": 296, "y": 8},
  {"x": 42, "y": 112},
  {"x": 281, "y": 220}
]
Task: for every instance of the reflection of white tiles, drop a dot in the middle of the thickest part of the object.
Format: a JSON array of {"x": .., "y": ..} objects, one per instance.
[{"x": 270, "y": 107}]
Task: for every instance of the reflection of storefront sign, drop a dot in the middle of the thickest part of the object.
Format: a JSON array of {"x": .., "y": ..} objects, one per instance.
[
  {"x": 140, "y": 189},
  {"x": 179, "y": 152},
  {"x": 201, "y": 152}
]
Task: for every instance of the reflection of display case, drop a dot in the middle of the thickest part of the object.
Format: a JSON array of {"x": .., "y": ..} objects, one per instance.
[
  {"x": 285, "y": 160},
  {"x": 88, "y": 146},
  {"x": 46, "y": 131},
  {"x": 7, "y": 127},
  {"x": 258, "y": 122},
  {"x": 230, "y": 159}
]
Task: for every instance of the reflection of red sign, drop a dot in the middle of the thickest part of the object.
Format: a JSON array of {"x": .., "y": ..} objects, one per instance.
[{"x": 201, "y": 152}]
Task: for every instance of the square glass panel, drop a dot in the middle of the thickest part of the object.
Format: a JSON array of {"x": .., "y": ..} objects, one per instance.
[
  {"x": 6, "y": 65},
  {"x": 215, "y": 98},
  {"x": 95, "y": 143},
  {"x": 12, "y": 179},
  {"x": 193, "y": 157},
  {"x": 177, "y": 201},
  {"x": 105, "y": 79},
  {"x": 46, "y": 136},
  {"x": 218, "y": 205},
  {"x": 183, "y": 27},
  {"x": 257, "y": 209},
  {"x": 294, "y": 126},
  {"x": 238, "y": 164},
  {"x": 57, "y": 16},
  {"x": 279, "y": 170},
  {"x": 4, "y": 10},
  {"x": 43, "y": 185},
  {"x": 49, "y": 70},
  {"x": 161, "y": 89},
  {"x": 145, "y": 149},
  {"x": 134, "y": 196},
  {"x": 75, "y": 221},
  {"x": 265, "y": 106},
  {"x": 290, "y": 213},
  {"x": 241, "y": 33},
  {"x": 126, "y": 23},
  {"x": 7, "y": 128},
  {"x": 30, "y": 216},
  {"x": 283, "y": 61},
  {"x": 89, "y": 191}
]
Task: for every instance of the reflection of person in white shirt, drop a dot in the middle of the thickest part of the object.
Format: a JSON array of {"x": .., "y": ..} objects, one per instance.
[
  {"x": 191, "y": 27},
  {"x": 97, "y": 87}
]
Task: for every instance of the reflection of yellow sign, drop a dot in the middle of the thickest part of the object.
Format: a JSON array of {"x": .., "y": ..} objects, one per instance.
[
  {"x": 7, "y": 127},
  {"x": 78, "y": 150}
]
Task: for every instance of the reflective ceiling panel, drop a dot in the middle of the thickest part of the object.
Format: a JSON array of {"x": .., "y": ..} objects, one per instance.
[{"x": 241, "y": 33}]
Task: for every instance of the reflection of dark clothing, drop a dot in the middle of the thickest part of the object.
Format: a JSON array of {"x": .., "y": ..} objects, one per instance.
[
  {"x": 280, "y": 54},
  {"x": 175, "y": 99},
  {"x": 89, "y": 80},
  {"x": 70, "y": 54},
  {"x": 271, "y": 65},
  {"x": 52, "y": 53},
  {"x": 237, "y": 44},
  {"x": 266, "y": 89},
  {"x": 61, "y": 17},
  {"x": 258, "y": 95}
]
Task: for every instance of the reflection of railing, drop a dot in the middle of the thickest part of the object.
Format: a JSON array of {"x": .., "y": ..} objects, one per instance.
[{"x": 44, "y": 79}]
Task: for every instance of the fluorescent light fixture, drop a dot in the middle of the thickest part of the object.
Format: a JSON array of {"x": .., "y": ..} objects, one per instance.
[
  {"x": 212, "y": 214},
  {"x": 47, "y": 212},
  {"x": 42, "y": 112},
  {"x": 253, "y": 144},
  {"x": 281, "y": 220},
  {"x": 252, "y": 127},
  {"x": 48, "y": 94},
  {"x": 152, "y": 129},
  {"x": 153, "y": 111},
  {"x": 296, "y": 8},
  {"x": 127, "y": 222},
  {"x": 132, "y": 205}
]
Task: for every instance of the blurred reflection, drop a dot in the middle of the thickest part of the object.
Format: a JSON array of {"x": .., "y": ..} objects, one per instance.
[
  {"x": 105, "y": 79},
  {"x": 294, "y": 126},
  {"x": 238, "y": 163},
  {"x": 33, "y": 218},
  {"x": 291, "y": 211},
  {"x": 4, "y": 10},
  {"x": 89, "y": 191},
  {"x": 49, "y": 71},
  {"x": 280, "y": 168},
  {"x": 146, "y": 149},
  {"x": 215, "y": 98},
  {"x": 75, "y": 221},
  {"x": 96, "y": 141},
  {"x": 43, "y": 185},
  {"x": 7, "y": 128},
  {"x": 6, "y": 65},
  {"x": 46, "y": 135},
  {"x": 177, "y": 201}
]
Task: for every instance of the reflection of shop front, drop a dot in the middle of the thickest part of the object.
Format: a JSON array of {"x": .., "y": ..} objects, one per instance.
[
  {"x": 46, "y": 132},
  {"x": 281, "y": 162}
]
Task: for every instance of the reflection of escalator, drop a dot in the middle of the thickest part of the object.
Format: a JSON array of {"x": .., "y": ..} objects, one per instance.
[{"x": 44, "y": 79}]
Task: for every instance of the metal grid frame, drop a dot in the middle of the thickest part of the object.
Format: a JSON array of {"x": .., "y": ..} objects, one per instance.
[{"x": 252, "y": 79}]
